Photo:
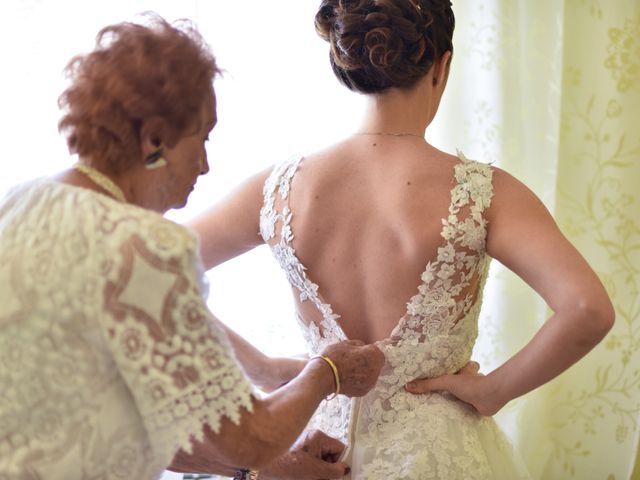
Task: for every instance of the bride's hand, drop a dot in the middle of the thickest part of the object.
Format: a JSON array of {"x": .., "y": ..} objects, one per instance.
[{"x": 468, "y": 385}]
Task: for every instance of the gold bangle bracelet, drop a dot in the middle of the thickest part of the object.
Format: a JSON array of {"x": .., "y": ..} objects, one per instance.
[{"x": 334, "y": 369}]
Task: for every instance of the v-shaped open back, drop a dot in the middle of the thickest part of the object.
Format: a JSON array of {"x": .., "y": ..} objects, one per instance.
[{"x": 450, "y": 281}]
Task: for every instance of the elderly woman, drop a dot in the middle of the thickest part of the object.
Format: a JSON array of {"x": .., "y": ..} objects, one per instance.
[{"x": 111, "y": 365}]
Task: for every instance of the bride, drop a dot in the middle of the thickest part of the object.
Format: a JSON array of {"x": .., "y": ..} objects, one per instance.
[{"x": 387, "y": 240}]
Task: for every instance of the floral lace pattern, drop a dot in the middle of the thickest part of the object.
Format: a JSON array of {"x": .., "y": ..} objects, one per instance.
[
  {"x": 391, "y": 433},
  {"x": 280, "y": 179},
  {"x": 109, "y": 359}
]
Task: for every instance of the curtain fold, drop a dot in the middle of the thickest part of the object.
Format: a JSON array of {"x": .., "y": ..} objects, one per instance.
[{"x": 550, "y": 91}]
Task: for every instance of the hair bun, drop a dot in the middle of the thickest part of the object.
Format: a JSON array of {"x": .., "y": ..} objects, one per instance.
[{"x": 379, "y": 44}]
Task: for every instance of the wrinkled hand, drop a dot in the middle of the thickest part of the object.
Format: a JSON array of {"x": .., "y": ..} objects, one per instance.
[
  {"x": 468, "y": 385},
  {"x": 313, "y": 457},
  {"x": 358, "y": 366}
]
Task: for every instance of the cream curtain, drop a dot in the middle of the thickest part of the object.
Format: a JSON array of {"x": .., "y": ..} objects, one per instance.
[{"x": 550, "y": 91}]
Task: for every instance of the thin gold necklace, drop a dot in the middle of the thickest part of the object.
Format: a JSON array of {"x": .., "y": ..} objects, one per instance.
[
  {"x": 391, "y": 134},
  {"x": 102, "y": 181}
]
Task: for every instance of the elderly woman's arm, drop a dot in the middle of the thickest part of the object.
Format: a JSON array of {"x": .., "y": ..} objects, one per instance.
[
  {"x": 179, "y": 366},
  {"x": 276, "y": 421}
]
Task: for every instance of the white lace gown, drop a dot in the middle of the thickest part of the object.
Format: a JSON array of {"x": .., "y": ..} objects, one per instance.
[
  {"x": 109, "y": 360},
  {"x": 390, "y": 433}
]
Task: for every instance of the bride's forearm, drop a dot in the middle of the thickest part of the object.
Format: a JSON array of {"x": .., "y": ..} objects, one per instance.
[
  {"x": 253, "y": 361},
  {"x": 266, "y": 372},
  {"x": 563, "y": 340}
]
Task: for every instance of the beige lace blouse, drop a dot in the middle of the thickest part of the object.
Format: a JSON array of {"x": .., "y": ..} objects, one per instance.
[{"x": 109, "y": 359}]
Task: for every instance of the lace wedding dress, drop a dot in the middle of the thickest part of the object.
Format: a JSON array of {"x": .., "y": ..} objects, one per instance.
[
  {"x": 390, "y": 433},
  {"x": 109, "y": 359}
]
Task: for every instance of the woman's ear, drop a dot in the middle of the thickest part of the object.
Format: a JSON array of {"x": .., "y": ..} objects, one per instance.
[
  {"x": 441, "y": 67},
  {"x": 152, "y": 135}
]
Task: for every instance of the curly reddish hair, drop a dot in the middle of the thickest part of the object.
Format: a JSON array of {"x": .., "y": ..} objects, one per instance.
[
  {"x": 380, "y": 44},
  {"x": 135, "y": 72}
]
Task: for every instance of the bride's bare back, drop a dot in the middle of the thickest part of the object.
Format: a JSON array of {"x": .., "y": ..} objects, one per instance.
[{"x": 367, "y": 218}]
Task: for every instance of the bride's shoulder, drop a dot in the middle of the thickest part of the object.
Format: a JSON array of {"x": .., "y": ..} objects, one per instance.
[{"x": 329, "y": 152}]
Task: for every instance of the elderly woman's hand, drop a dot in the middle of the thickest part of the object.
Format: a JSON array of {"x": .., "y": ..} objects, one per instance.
[
  {"x": 315, "y": 456},
  {"x": 358, "y": 365}
]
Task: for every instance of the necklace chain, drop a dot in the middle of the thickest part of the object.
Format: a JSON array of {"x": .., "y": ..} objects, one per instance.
[
  {"x": 390, "y": 134},
  {"x": 101, "y": 180}
]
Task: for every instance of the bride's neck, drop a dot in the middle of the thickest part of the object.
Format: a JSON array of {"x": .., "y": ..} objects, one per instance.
[{"x": 400, "y": 110}]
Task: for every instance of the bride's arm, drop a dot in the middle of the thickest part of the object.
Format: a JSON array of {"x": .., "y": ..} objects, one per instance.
[
  {"x": 231, "y": 226},
  {"x": 524, "y": 237},
  {"x": 226, "y": 230}
]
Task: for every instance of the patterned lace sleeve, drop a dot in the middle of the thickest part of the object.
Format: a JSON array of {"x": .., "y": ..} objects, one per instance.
[{"x": 177, "y": 363}]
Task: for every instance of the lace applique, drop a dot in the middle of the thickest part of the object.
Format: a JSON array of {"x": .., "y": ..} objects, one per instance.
[
  {"x": 459, "y": 260},
  {"x": 393, "y": 434},
  {"x": 434, "y": 437},
  {"x": 284, "y": 253}
]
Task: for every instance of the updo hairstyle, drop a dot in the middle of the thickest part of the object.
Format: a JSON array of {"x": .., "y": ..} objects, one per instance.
[
  {"x": 379, "y": 44},
  {"x": 136, "y": 72}
]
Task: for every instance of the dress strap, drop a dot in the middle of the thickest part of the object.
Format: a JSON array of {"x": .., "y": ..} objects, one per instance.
[
  {"x": 461, "y": 258},
  {"x": 473, "y": 187},
  {"x": 278, "y": 182}
]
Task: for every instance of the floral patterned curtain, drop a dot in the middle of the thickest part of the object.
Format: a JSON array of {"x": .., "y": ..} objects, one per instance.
[{"x": 550, "y": 91}]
